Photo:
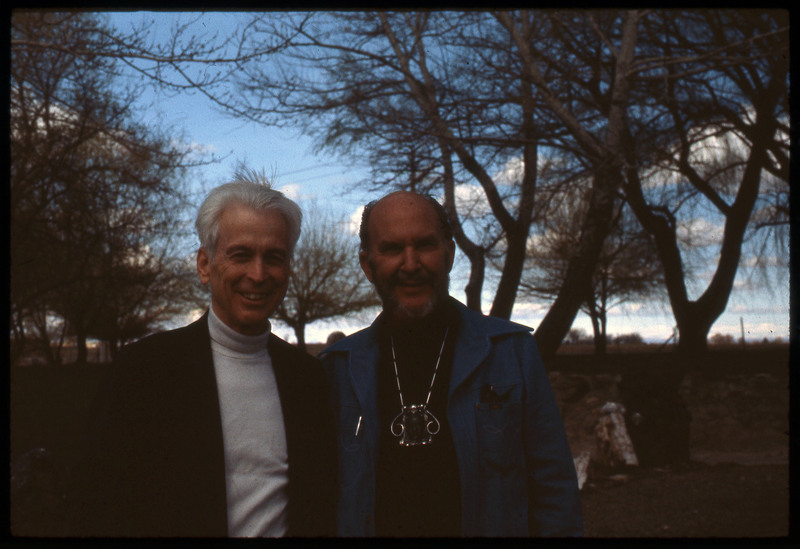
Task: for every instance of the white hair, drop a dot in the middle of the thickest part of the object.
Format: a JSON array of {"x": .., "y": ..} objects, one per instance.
[{"x": 249, "y": 188}]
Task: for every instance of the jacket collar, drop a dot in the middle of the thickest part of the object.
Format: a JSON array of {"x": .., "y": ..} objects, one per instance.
[{"x": 475, "y": 335}]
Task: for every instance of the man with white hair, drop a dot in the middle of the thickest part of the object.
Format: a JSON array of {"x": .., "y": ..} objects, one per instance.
[{"x": 219, "y": 428}]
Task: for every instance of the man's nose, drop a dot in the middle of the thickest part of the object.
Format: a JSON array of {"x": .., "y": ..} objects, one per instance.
[
  {"x": 410, "y": 259},
  {"x": 257, "y": 270}
]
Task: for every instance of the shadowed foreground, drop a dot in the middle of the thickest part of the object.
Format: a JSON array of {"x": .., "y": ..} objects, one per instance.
[
  {"x": 711, "y": 501},
  {"x": 736, "y": 484}
]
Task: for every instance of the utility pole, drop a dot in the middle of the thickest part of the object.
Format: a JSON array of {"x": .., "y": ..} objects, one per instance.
[{"x": 741, "y": 323}]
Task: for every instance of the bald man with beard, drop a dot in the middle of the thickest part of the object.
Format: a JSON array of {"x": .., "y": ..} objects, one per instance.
[{"x": 447, "y": 423}]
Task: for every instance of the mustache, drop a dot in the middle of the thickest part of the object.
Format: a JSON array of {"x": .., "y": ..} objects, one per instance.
[{"x": 415, "y": 278}]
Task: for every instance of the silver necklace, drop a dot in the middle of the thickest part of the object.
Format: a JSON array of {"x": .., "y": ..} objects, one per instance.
[{"x": 415, "y": 424}]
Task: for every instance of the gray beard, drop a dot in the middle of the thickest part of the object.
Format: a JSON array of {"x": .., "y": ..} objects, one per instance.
[
  {"x": 404, "y": 313},
  {"x": 394, "y": 309}
]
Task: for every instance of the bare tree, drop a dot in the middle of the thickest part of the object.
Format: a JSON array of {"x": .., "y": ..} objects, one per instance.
[
  {"x": 95, "y": 198},
  {"x": 444, "y": 98},
  {"x": 696, "y": 75},
  {"x": 191, "y": 58},
  {"x": 596, "y": 119},
  {"x": 628, "y": 267},
  {"x": 611, "y": 90},
  {"x": 725, "y": 102},
  {"x": 403, "y": 88},
  {"x": 326, "y": 281}
]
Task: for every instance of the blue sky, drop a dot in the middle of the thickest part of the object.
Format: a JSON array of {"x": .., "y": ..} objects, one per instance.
[{"x": 305, "y": 175}]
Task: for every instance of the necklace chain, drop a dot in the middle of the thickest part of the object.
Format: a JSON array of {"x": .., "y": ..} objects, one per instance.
[
  {"x": 433, "y": 378},
  {"x": 415, "y": 424}
]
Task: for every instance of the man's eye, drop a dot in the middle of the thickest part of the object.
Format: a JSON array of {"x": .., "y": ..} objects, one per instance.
[
  {"x": 275, "y": 259},
  {"x": 391, "y": 249}
]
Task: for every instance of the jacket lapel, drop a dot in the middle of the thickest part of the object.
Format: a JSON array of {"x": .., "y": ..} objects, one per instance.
[
  {"x": 472, "y": 347},
  {"x": 475, "y": 342},
  {"x": 203, "y": 435},
  {"x": 363, "y": 370}
]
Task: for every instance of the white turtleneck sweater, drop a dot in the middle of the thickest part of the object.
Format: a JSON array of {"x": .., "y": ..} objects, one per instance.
[{"x": 256, "y": 459}]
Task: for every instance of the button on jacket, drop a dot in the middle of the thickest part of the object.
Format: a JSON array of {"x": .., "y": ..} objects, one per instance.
[{"x": 516, "y": 469}]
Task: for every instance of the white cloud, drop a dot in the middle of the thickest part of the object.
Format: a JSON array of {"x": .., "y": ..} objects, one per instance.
[
  {"x": 759, "y": 308},
  {"x": 318, "y": 332},
  {"x": 511, "y": 172},
  {"x": 523, "y": 309},
  {"x": 354, "y": 222},
  {"x": 291, "y": 190},
  {"x": 535, "y": 241},
  {"x": 628, "y": 308},
  {"x": 184, "y": 319},
  {"x": 764, "y": 261},
  {"x": 699, "y": 231},
  {"x": 470, "y": 201},
  {"x": 194, "y": 147}
]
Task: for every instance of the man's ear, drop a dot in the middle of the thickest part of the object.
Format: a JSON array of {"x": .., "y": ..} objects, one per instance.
[
  {"x": 365, "y": 266},
  {"x": 451, "y": 254},
  {"x": 203, "y": 265}
]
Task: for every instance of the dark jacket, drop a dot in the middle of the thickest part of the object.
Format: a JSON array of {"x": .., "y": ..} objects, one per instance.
[{"x": 155, "y": 463}]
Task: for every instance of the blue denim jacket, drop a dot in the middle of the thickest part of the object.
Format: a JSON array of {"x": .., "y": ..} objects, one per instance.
[{"x": 516, "y": 469}]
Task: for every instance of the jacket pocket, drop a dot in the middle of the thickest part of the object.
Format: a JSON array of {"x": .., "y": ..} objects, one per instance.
[{"x": 499, "y": 427}]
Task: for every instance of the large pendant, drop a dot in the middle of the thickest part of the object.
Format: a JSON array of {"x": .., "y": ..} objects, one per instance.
[{"x": 415, "y": 425}]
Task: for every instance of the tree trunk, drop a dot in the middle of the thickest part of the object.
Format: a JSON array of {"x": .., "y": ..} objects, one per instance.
[
  {"x": 580, "y": 270},
  {"x": 300, "y": 333},
  {"x": 506, "y": 293},
  {"x": 474, "y": 286},
  {"x": 475, "y": 253},
  {"x": 18, "y": 340},
  {"x": 607, "y": 157},
  {"x": 693, "y": 327},
  {"x": 114, "y": 346},
  {"x": 602, "y": 313},
  {"x": 80, "y": 347},
  {"x": 597, "y": 327},
  {"x": 600, "y": 348}
]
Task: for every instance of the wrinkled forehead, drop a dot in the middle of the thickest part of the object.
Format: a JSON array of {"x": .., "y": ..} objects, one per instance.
[
  {"x": 402, "y": 217},
  {"x": 242, "y": 222}
]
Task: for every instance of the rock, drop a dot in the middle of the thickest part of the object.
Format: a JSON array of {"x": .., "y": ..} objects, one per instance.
[
  {"x": 582, "y": 467},
  {"x": 614, "y": 446}
]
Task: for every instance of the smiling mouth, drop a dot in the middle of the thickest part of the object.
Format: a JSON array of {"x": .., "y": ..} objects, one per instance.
[
  {"x": 412, "y": 288},
  {"x": 254, "y": 297},
  {"x": 412, "y": 282}
]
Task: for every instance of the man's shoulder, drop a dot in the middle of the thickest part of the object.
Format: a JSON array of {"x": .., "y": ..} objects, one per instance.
[
  {"x": 362, "y": 338},
  {"x": 169, "y": 341},
  {"x": 475, "y": 322},
  {"x": 280, "y": 349}
]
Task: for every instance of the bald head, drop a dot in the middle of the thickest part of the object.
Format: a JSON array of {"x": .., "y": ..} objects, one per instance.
[
  {"x": 407, "y": 253},
  {"x": 398, "y": 197}
]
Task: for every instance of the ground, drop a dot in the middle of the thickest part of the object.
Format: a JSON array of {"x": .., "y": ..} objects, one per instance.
[
  {"x": 736, "y": 482},
  {"x": 700, "y": 501}
]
